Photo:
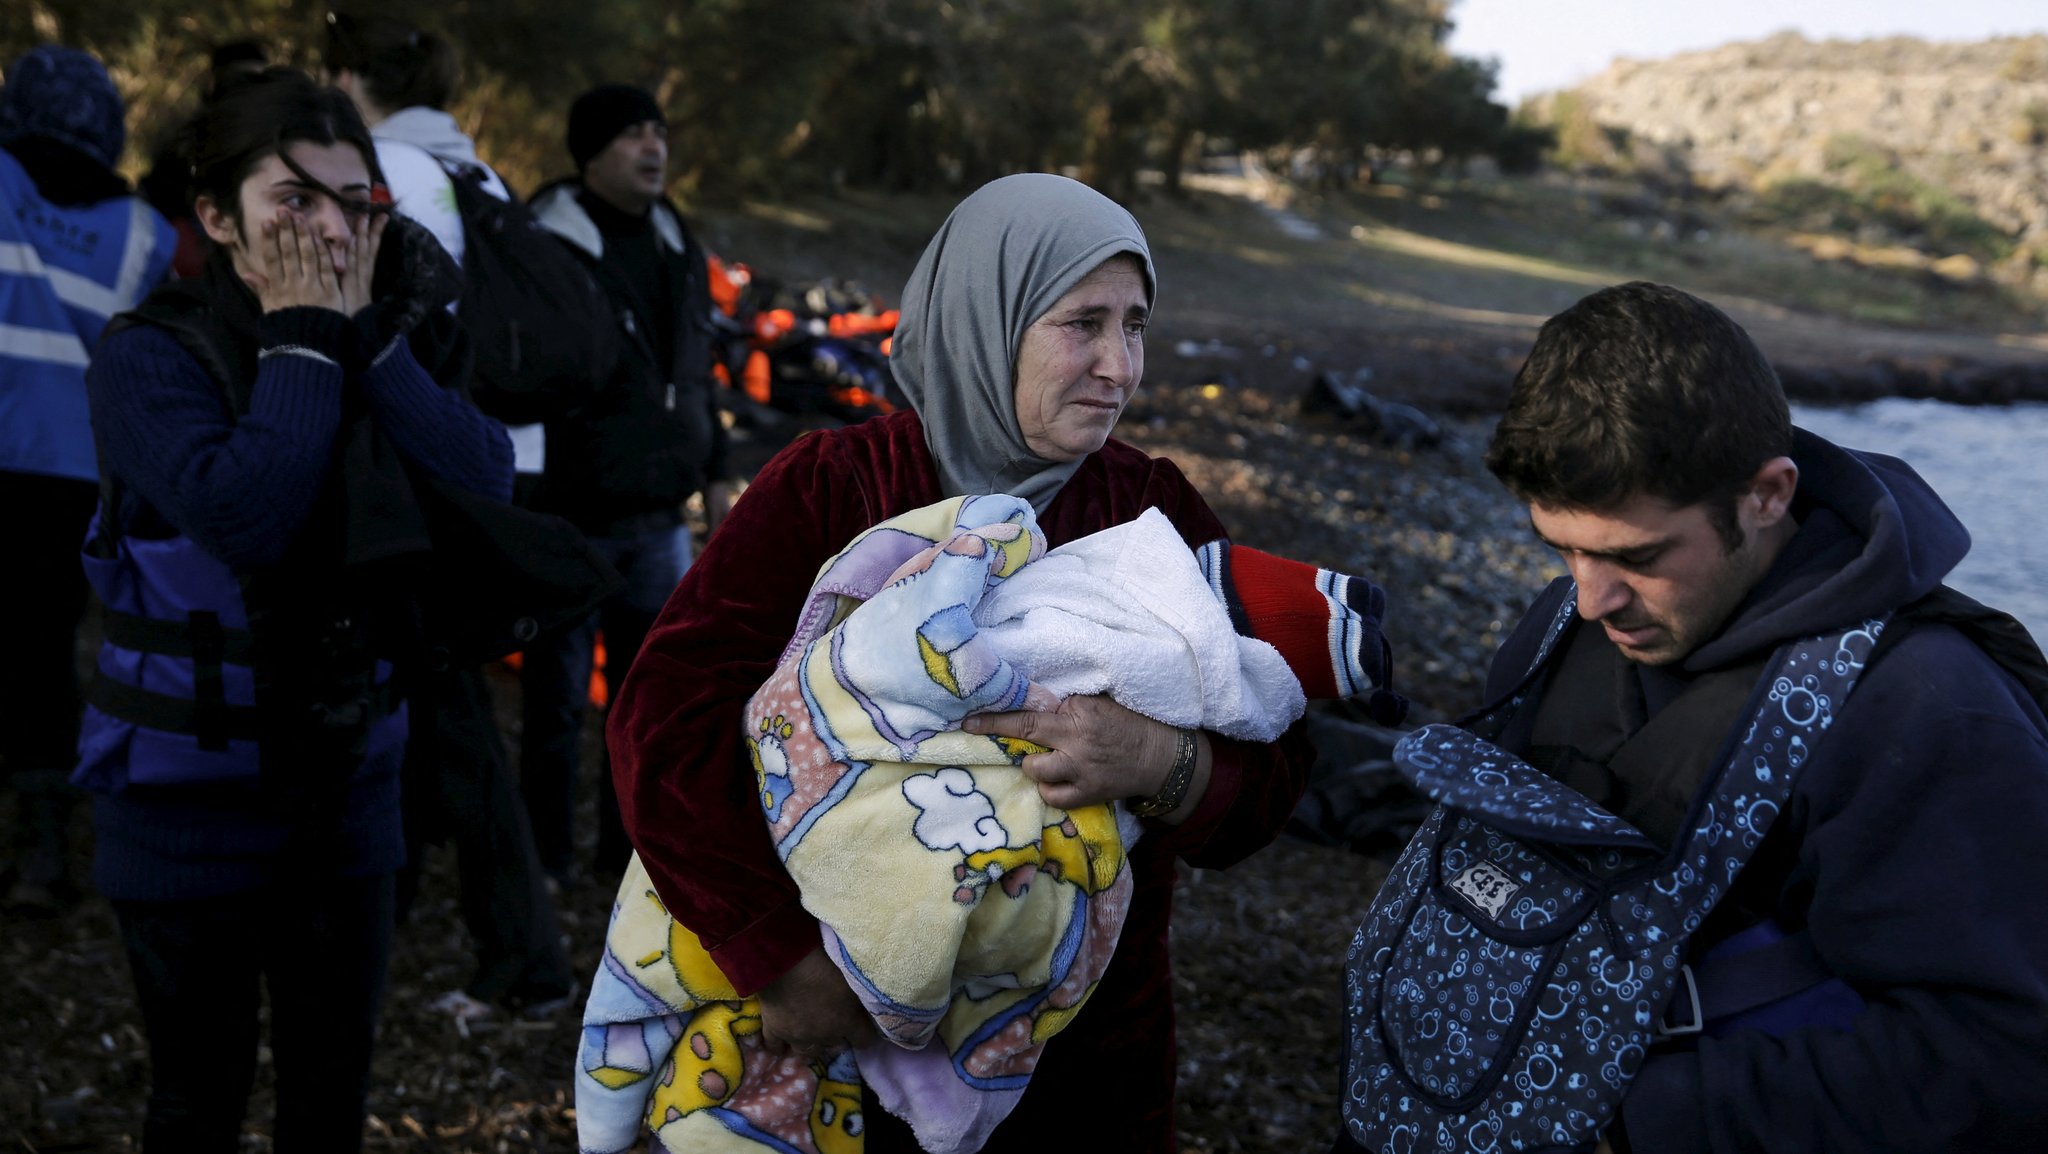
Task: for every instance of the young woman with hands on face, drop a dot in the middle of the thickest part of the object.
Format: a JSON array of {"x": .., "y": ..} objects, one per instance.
[
  {"x": 259, "y": 551},
  {"x": 317, "y": 245}
]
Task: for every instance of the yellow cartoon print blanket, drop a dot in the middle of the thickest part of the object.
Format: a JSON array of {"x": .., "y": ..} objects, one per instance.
[{"x": 971, "y": 918}]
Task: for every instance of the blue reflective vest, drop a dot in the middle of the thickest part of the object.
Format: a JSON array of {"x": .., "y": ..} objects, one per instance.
[{"x": 64, "y": 271}]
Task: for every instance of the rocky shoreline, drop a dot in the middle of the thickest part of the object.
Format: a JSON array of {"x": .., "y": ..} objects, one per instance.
[{"x": 1959, "y": 382}]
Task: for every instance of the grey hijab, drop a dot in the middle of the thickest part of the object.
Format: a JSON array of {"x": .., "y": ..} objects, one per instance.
[{"x": 1006, "y": 254}]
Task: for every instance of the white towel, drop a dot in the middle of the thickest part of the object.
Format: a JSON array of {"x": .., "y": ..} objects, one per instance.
[{"x": 1127, "y": 612}]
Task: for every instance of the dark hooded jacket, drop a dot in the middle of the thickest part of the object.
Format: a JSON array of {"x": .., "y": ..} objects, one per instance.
[
  {"x": 1910, "y": 850},
  {"x": 651, "y": 436}
]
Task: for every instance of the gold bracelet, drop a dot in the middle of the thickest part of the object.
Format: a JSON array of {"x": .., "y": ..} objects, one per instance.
[{"x": 1175, "y": 790}]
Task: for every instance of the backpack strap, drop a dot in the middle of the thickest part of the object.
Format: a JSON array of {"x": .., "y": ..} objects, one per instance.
[
  {"x": 1997, "y": 633},
  {"x": 467, "y": 179},
  {"x": 1751, "y": 969},
  {"x": 1491, "y": 722},
  {"x": 1761, "y": 963}
]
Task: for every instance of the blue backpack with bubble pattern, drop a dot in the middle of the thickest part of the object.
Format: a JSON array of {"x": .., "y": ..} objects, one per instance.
[{"x": 1513, "y": 971}]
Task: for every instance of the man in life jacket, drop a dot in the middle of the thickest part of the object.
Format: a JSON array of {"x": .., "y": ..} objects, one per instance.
[
  {"x": 1876, "y": 975},
  {"x": 76, "y": 247}
]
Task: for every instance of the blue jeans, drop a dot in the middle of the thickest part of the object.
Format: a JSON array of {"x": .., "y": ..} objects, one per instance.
[{"x": 555, "y": 681}]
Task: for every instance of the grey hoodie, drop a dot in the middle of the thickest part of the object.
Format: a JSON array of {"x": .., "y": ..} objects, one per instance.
[{"x": 431, "y": 129}]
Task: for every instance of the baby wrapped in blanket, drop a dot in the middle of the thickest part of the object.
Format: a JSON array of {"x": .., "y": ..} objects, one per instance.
[{"x": 971, "y": 918}]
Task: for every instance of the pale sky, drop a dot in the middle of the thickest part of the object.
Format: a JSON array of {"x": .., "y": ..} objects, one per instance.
[{"x": 1549, "y": 44}]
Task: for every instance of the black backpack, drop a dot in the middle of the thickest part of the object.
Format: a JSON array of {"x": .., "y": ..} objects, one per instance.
[{"x": 544, "y": 332}]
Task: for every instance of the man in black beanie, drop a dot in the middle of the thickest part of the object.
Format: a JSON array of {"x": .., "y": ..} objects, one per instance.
[{"x": 622, "y": 467}]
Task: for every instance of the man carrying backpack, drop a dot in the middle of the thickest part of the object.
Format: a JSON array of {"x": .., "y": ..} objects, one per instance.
[
  {"x": 622, "y": 466},
  {"x": 1750, "y": 855},
  {"x": 457, "y": 784}
]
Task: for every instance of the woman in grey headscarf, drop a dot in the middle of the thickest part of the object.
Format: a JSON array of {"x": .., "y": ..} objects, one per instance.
[{"x": 1021, "y": 340}]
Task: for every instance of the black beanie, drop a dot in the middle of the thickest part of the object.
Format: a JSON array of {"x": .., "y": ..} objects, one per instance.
[{"x": 599, "y": 115}]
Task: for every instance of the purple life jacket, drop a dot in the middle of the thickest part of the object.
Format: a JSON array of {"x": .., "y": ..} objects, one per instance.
[{"x": 173, "y": 700}]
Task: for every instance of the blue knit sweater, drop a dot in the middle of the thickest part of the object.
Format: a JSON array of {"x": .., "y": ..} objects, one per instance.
[{"x": 241, "y": 489}]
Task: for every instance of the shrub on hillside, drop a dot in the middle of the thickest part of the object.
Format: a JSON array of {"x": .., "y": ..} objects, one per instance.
[
  {"x": 1521, "y": 146},
  {"x": 1809, "y": 204},
  {"x": 2030, "y": 127},
  {"x": 1582, "y": 141},
  {"x": 2028, "y": 62},
  {"x": 1876, "y": 189}
]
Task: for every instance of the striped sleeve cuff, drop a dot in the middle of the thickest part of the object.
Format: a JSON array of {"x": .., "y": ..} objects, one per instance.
[
  {"x": 297, "y": 351},
  {"x": 299, "y": 369}
]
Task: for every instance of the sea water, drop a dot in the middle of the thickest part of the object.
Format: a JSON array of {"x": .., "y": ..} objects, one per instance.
[{"x": 1990, "y": 463}]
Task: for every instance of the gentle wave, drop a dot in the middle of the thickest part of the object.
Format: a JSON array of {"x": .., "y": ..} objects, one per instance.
[{"x": 1990, "y": 463}]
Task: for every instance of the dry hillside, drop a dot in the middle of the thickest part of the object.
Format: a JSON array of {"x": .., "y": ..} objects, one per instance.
[{"x": 1891, "y": 142}]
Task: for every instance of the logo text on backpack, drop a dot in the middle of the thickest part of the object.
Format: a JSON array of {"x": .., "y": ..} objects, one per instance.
[{"x": 1486, "y": 886}]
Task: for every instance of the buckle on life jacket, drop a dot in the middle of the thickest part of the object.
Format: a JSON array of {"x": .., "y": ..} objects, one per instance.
[
  {"x": 207, "y": 716},
  {"x": 1687, "y": 995},
  {"x": 1754, "y": 968}
]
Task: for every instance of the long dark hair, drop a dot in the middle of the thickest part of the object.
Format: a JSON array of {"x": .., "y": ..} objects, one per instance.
[
  {"x": 399, "y": 65},
  {"x": 264, "y": 113}
]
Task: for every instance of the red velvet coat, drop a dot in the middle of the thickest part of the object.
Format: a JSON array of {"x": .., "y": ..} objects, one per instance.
[{"x": 688, "y": 796}]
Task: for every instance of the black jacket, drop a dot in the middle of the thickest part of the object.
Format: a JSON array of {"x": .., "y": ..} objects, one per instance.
[{"x": 651, "y": 436}]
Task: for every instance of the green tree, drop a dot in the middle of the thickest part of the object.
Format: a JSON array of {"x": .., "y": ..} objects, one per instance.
[{"x": 768, "y": 95}]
